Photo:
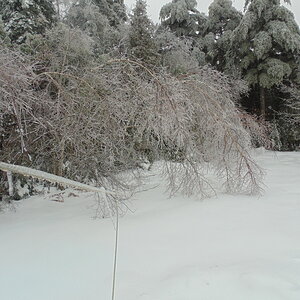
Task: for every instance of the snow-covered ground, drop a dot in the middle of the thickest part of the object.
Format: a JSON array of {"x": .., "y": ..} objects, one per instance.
[{"x": 224, "y": 248}]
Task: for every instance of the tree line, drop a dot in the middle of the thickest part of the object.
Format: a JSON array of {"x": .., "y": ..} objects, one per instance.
[{"x": 89, "y": 91}]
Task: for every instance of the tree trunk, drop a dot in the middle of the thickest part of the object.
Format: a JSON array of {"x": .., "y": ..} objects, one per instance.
[{"x": 262, "y": 99}]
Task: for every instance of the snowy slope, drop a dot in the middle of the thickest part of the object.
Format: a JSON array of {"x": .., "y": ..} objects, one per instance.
[{"x": 225, "y": 248}]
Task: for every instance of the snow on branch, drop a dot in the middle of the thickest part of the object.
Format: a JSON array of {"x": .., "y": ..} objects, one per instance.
[
  {"x": 51, "y": 178},
  {"x": 105, "y": 204}
]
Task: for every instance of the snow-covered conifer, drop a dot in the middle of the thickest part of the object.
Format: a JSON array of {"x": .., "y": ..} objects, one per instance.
[
  {"x": 99, "y": 20},
  {"x": 266, "y": 47},
  {"x": 87, "y": 17},
  {"x": 182, "y": 17},
  {"x": 21, "y": 17},
  {"x": 114, "y": 10},
  {"x": 178, "y": 53},
  {"x": 223, "y": 18},
  {"x": 141, "y": 32}
]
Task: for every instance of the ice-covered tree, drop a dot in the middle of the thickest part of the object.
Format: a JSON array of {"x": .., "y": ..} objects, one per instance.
[
  {"x": 141, "y": 32},
  {"x": 223, "y": 18},
  {"x": 99, "y": 20},
  {"x": 87, "y": 17},
  {"x": 88, "y": 121},
  {"x": 114, "y": 10},
  {"x": 182, "y": 17},
  {"x": 247, "y": 2},
  {"x": 21, "y": 17},
  {"x": 266, "y": 47},
  {"x": 178, "y": 53}
]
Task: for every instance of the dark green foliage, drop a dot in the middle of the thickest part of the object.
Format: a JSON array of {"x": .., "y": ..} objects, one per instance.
[
  {"x": 114, "y": 10},
  {"x": 180, "y": 36},
  {"x": 141, "y": 41},
  {"x": 223, "y": 18},
  {"x": 265, "y": 48},
  {"x": 266, "y": 44},
  {"x": 182, "y": 17},
  {"x": 26, "y": 17}
]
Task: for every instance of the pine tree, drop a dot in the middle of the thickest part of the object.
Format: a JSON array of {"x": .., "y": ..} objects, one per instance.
[
  {"x": 182, "y": 17},
  {"x": 266, "y": 47},
  {"x": 114, "y": 10},
  {"x": 223, "y": 18},
  {"x": 142, "y": 45},
  {"x": 21, "y": 17},
  {"x": 178, "y": 54},
  {"x": 87, "y": 17},
  {"x": 95, "y": 19}
]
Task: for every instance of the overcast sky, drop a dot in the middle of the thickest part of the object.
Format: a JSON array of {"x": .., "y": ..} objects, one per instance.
[{"x": 155, "y": 5}]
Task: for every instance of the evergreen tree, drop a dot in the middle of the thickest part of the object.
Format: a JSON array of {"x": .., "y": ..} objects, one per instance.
[
  {"x": 92, "y": 18},
  {"x": 182, "y": 17},
  {"x": 266, "y": 47},
  {"x": 2, "y": 31},
  {"x": 21, "y": 17},
  {"x": 223, "y": 18},
  {"x": 114, "y": 10},
  {"x": 177, "y": 53},
  {"x": 88, "y": 11},
  {"x": 141, "y": 33},
  {"x": 87, "y": 17}
]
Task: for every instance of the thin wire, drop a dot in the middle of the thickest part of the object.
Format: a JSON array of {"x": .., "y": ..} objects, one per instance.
[{"x": 116, "y": 252}]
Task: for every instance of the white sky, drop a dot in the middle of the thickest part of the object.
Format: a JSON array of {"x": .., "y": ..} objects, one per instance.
[{"x": 154, "y": 7}]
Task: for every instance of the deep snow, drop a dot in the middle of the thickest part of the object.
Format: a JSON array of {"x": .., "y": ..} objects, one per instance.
[{"x": 224, "y": 248}]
